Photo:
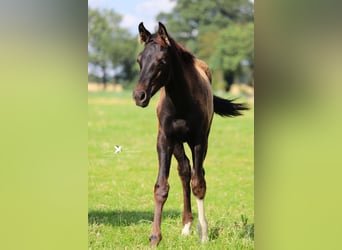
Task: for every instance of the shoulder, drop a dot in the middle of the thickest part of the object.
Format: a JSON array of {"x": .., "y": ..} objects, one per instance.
[{"x": 203, "y": 67}]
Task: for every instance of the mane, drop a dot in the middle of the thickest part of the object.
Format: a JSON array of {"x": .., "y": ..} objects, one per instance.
[
  {"x": 182, "y": 56},
  {"x": 185, "y": 55},
  {"x": 188, "y": 58}
]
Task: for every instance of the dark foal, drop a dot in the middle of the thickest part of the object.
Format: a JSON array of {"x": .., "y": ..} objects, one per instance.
[{"x": 185, "y": 111}]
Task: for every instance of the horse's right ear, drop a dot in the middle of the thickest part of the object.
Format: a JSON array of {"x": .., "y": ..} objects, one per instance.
[
  {"x": 163, "y": 34},
  {"x": 144, "y": 34}
]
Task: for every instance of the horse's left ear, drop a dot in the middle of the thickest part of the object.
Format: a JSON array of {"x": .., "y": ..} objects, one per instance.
[
  {"x": 163, "y": 34},
  {"x": 144, "y": 34}
]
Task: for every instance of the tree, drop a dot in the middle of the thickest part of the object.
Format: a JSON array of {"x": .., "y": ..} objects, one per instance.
[
  {"x": 234, "y": 47},
  {"x": 125, "y": 59},
  {"x": 110, "y": 47},
  {"x": 98, "y": 42},
  {"x": 191, "y": 17}
]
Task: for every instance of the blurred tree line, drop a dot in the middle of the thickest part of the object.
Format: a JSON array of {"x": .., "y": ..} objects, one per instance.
[
  {"x": 111, "y": 48},
  {"x": 220, "y": 32}
]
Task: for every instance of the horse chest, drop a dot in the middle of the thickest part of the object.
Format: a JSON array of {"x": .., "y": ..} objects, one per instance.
[
  {"x": 181, "y": 130},
  {"x": 179, "y": 127}
]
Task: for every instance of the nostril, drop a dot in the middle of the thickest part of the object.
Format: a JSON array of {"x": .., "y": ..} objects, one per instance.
[{"x": 142, "y": 96}]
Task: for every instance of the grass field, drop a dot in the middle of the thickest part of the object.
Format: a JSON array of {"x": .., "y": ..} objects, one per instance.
[{"x": 120, "y": 186}]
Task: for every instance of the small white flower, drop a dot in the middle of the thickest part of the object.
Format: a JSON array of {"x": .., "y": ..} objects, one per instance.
[{"x": 117, "y": 149}]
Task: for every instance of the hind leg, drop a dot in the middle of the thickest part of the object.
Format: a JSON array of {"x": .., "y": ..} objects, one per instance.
[
  {"x": 198, "y": 184},
  {"x": 184, "y": 173}
]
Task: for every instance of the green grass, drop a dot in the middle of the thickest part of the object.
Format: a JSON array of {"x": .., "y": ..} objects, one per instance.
[{"x": 120, "y": 186}]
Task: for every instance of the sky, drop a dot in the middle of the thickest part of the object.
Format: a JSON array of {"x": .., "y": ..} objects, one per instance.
[{"x": 136, "y": 11}]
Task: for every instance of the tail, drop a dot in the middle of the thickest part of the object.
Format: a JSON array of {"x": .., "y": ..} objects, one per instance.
[{"x": 224, "y": 107}]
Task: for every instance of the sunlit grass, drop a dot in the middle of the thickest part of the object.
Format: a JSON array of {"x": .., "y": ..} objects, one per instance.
[{"x": 120, "y": 186}]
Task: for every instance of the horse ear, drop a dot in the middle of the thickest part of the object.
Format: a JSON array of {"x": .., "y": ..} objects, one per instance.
[
  {"x": 163, "y": 34},
  {"x": 144, "y": 34}
]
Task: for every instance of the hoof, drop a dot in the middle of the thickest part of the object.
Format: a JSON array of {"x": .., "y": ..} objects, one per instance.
[
  {"x": 204, "y": 239},
  {"x": 203, "y": 232},
  {"x": 186, "y": 229},
  {"x": 154, "y": 240}
]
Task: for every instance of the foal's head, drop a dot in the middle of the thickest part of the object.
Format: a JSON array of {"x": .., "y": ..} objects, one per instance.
[{"x": 154, "y": 64}]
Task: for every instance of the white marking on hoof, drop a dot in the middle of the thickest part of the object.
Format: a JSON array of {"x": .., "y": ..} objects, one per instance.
[
  {"x": 202, "y": 222},
  {"x": 186, "y": 229},
  {"x": 203, "y": 232}
]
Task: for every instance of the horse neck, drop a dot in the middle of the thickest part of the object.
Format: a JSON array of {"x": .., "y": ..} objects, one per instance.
[{"x": 178, "y": 87}]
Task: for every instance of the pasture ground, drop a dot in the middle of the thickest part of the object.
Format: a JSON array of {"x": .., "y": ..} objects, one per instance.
[{"x": 120, "y": 186}]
